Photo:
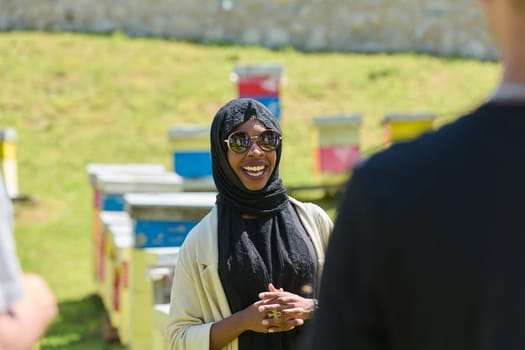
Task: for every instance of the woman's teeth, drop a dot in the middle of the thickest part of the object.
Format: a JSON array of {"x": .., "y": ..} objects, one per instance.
[{"x": 254, "y": 170}]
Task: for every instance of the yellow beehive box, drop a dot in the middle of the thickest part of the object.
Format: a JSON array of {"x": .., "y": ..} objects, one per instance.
[
  {"x": 406, "y": 127},
  {"x": 119, "y": 240},
  {"x": 109, "y": 220},
  {"x": 95, "y": 170},
  {"x": 123, "y": 292},
  {"x": 112, "y": 187},
  {"x": 160, "y": 223},
  {"x": 150, "y": 281}
]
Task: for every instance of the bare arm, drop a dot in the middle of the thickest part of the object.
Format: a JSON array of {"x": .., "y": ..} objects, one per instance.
[
  {"x": 226, "y": 330},
  {"x": 29, "y": 317}
]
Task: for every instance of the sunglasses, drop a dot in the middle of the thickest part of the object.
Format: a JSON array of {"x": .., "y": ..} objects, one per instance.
[{"x": 240, "y": 142}]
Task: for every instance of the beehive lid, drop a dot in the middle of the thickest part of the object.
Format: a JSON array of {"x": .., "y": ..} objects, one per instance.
[
  {"x": 122, "y": 235},
  {"x": 200, "y": 184},
  {"x": 188, "y": 131},
  {"x": 95, "y": 169},
  {"x": 257, "y": 69},
  {"x": 163, "y": 256},
  {"x": 120, "y": 229},
  {"x": 179, "y": 206},
  {"x": 338, "y": 119},
  {"x": 109, "y": 218},
  {"x": 8, "y": 134},
  {"x": 125, "y": 183},
  {"x": 408, "y": 117}
]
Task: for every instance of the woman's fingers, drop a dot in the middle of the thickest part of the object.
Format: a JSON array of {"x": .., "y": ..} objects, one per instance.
[
  {"x": 267, "y": 308},
  {"x": 281, "y": 310},
  {"x": 271, "y": 288},
  {"x": 282, "y": 301},
  {"x": 282, "y": 325}
]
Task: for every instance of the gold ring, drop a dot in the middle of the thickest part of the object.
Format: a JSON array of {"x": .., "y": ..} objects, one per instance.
[{"x": 274, "y": 314}]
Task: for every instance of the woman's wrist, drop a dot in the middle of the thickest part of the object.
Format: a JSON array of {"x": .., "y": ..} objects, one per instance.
[
  {"x": 313, "y": 307},
  {"x": 241, "y": 320},
  {"x": 226, "y": 330}
]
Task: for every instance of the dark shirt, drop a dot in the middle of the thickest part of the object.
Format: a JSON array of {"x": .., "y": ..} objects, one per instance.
[{"x": 428, "y": 250}]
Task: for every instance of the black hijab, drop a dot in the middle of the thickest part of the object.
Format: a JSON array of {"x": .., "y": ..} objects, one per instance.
[{"x": 272, "y": 248}]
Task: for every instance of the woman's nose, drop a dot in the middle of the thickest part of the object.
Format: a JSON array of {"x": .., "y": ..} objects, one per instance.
[{"x": 255, "y": 149}]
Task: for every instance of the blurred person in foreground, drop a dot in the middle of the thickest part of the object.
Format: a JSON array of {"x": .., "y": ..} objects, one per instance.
[
  {"x": 247, "y": 275},
  {"x": 27, "y": 305},
  {"x": 428, "y": 250}
]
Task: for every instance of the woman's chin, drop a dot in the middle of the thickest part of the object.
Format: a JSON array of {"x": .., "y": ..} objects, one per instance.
[{"x": 254, "y": 183}]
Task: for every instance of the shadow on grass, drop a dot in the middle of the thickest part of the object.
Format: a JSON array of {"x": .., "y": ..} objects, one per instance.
[{"x": 78, "y": 327}]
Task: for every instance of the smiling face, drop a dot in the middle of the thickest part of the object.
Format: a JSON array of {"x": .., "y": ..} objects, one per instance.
[{"x": 255, "y": 166}]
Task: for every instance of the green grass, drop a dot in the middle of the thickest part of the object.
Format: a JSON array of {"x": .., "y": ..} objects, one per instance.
[{"x": 75, "y": 99}]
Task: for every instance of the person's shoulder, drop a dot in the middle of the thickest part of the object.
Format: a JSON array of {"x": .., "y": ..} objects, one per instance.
[
  {"x": 427, "y": 152},
  {"x": 407, "y": 168},
  {"x": 306, "y": 206},
  {"x": 311, "y": 210},
  {"x": 296, "y": 202}
]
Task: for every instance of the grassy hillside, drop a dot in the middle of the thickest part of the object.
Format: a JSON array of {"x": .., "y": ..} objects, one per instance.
[{"x": 75, "y": 99}]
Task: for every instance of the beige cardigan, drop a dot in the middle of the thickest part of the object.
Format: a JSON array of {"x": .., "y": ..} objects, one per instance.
[{"x": 197, "y": 297}]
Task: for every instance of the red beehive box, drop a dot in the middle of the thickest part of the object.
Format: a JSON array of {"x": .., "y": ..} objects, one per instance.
[{"x": 260, "y": 82}]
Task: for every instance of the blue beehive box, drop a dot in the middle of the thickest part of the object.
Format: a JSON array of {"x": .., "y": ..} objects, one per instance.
[
  {"x": 273, "y": 104},
  {"x": 191, "y": 150},
  {"x": 165, "y": 219}
]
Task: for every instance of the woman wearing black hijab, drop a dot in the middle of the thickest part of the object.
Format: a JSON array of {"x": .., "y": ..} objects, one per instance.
[{"x": 247, "y": 274}]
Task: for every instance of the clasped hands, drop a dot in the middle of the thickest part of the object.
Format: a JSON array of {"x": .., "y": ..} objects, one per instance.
[{"x": 281, "y": 311}]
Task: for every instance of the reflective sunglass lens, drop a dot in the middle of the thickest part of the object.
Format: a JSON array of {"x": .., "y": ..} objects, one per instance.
[
  {"x": 268, "y": 140},
  {"x": 240, "y": 142}
]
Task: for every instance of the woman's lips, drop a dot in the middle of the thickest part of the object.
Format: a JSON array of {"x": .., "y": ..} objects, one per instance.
[{"x": 254, "y": 170}]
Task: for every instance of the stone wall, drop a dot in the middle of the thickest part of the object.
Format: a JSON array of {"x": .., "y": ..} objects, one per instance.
[{"x": 438, "y": 27}]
